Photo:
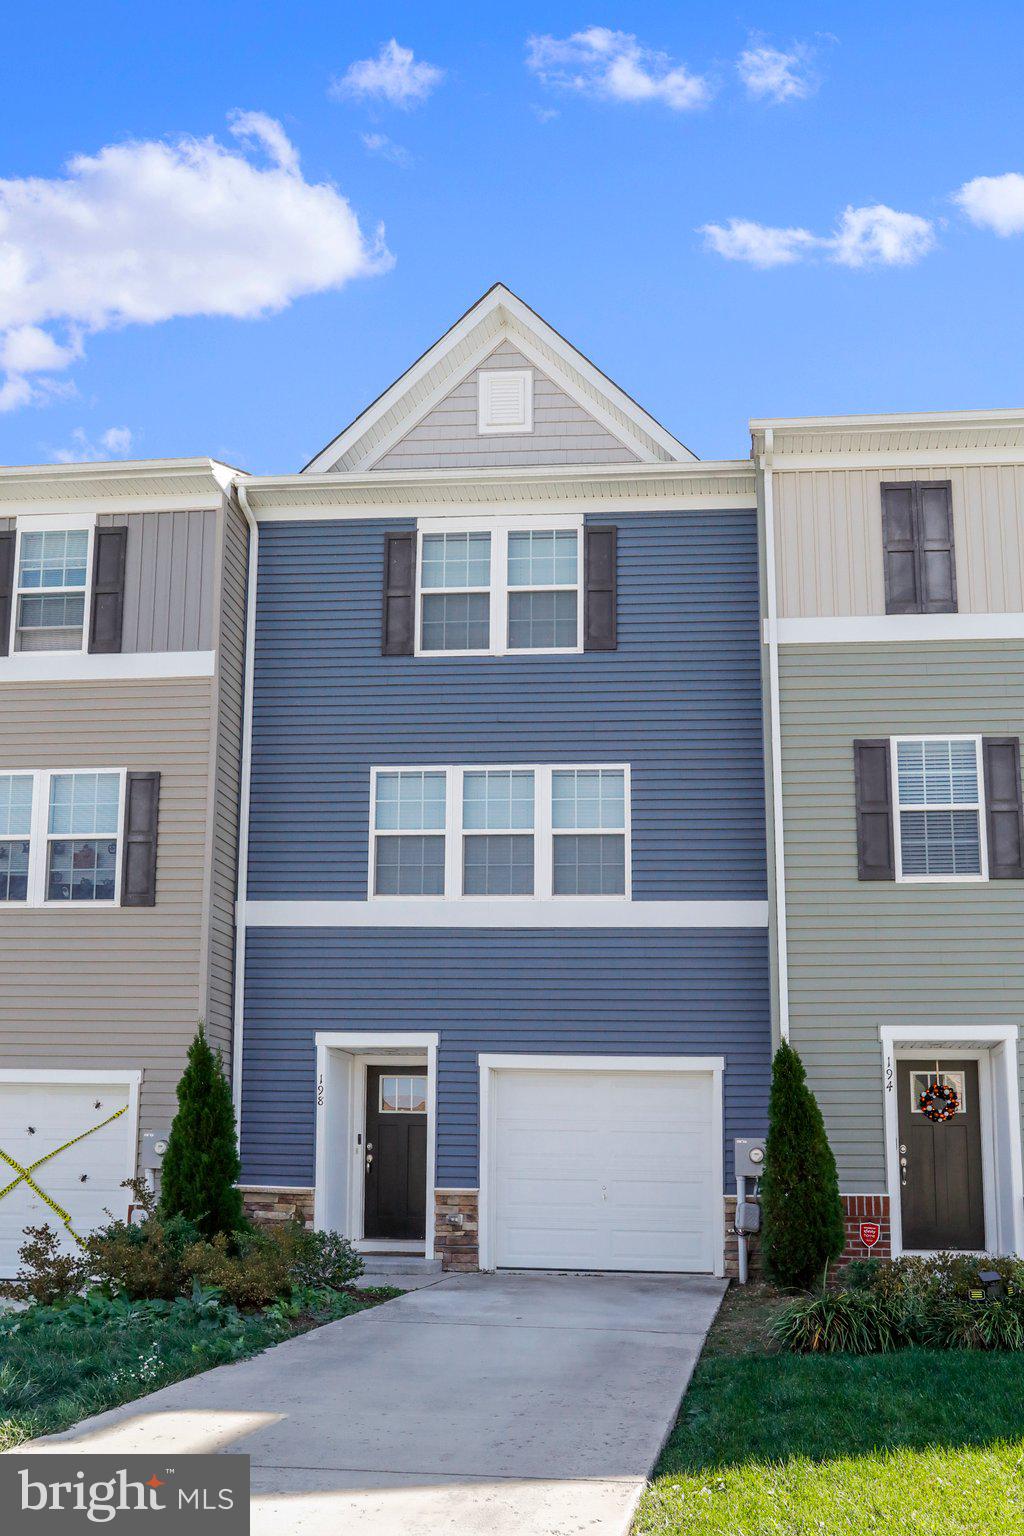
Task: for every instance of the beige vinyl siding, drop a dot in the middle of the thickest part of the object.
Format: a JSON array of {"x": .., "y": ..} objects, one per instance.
[
  {"x": 563, "y": 432},
  {"x": 225, "y": 785},
  {"x": 113, "y": 987},
  {"x": 169, "y": 588},
  {"x": 865, "y": 954},
  {"x": 829, "y": 538}
]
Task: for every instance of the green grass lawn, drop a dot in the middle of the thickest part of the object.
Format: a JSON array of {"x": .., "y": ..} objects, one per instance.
[
  {"x": 916, "y": 1443},
  {"x": 53, "y": 1376}
]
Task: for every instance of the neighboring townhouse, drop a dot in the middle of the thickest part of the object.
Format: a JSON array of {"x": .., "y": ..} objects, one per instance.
[
  {"x": 122, "y": 626},
  {"x": 505, "y": 966},
  {"x": 894, "y": 602}
]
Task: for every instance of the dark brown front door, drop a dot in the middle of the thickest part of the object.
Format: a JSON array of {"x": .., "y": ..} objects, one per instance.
[
  {"x": 396, "y": 1153},
  {"x": 941, "y": 1189}
]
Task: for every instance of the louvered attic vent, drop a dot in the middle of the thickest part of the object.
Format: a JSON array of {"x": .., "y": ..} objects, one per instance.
[{"x": 505, "y": 400}]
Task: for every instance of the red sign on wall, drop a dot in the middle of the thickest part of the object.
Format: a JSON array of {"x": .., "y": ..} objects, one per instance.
[{"x": 870, "y": 1232}]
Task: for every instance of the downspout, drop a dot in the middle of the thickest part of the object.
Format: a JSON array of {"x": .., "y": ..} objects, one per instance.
[
  {"x": 244, "y": 791},
  {"x": 771, "y": 626}
]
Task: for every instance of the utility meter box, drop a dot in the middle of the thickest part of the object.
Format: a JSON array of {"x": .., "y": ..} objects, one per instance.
[
  {"x": 749, "y": 1157},
  {"x": 152, "y": 1149}
]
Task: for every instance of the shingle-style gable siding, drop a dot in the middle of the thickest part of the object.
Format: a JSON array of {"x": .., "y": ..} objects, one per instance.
[
  {"x": 679, "y": 699},
  {"x": 563, "y": 432}
]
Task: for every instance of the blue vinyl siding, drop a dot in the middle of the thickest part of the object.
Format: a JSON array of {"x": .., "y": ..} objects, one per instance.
[
  {"x": 653, "y": 992},
  {"x": 679, "y": 700}
]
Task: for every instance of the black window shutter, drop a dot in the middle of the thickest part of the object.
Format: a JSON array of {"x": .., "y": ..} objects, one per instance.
[
  {"x": 399, "y": 621},
  {"x": 107, "y": 610},
  {"x": 141, "y": 809},
  {"x": 935, "y": 539},
  {"x": 600, "y": 577},
  {"x": 875, "y": 858},
  {"x": 6, "y": 589},
  {"x": 899, "y": 537},
  {"x": 1004, "y": 808}
]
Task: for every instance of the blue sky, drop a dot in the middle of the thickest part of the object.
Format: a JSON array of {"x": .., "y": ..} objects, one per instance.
[{"x": 235, "y": 298}]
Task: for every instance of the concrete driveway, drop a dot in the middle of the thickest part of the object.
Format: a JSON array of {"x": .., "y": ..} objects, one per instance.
[{"x": 497, "y": 1404}]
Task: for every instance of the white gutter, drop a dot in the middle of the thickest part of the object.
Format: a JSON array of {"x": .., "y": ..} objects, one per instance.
[
  {"x": 244, "y": 791},
  {"x": 775, "y": 729}
]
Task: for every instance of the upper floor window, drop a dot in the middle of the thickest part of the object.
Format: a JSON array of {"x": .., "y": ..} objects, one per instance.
[
  {"x": 940, "y": 804},
  {"x": 78, "y": 837},
  {"x": 920, "y": 559},
  {"x": 52, "y": 581},
  {"x": 527, "y": 831}
]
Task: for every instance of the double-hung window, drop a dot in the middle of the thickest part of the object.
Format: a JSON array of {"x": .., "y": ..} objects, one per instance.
[
  {"x": 61, "y": 837},
  {"x": 507, "y": 586},
  {"x": 938, "y": 792},
  {"x": 51, "y": 589},
  {"x": 534, "y": 831}
]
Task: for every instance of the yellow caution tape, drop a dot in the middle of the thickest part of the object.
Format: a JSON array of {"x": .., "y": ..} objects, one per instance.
[{"x": 25, "y": 1174}]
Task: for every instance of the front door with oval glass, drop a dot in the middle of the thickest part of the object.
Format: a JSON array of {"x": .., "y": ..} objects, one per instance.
[
  {"x": 941, "y": 1182},
  {"x": 396, "y": 1153}
]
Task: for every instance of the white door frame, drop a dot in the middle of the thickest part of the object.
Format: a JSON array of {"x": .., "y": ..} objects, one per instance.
[
  {"x": 994, "y": 1046},
  {"x": 58, "y": 1075},
  {"x": 341, "y": 1061},
  {"x": 491, "y": 1064}
]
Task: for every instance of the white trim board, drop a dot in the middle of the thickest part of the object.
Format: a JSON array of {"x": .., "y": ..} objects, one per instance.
[
  {"x": 878, "y": 629},
  {"x": 340, "y": 1089},
  {"x": 82, "y": 667},
  {"x": 506, "y": 912},
  {"x": 490, "y": 1063}
]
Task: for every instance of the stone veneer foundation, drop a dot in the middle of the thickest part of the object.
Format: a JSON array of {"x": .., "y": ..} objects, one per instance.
[
  {"x": 457, "y": 1228},
  {"x": 272, "y": 1205}
]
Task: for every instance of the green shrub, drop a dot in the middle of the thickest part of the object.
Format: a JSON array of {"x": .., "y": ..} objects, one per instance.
[
  {"x": 47, "y": 1274},
  {"x": 853, "y": 1322},
  {"x": 201, "y": 1165},
  {"x": 144, "y": 1262},
  {"x": 954, "y": 1323},
  {"x": 802, "y": 1214},
  {"x": 324, "y": 1260},
  {"x": 860, "y": 1274}
]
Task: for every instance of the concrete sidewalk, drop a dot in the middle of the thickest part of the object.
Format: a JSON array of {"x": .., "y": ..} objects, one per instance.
[{"x": 496, "y": 1404}]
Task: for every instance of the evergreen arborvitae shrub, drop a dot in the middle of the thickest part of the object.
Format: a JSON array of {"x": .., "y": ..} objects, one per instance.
[
  {"x": 201, "y": 1165},
  {"x": 802, "y": 1214}
]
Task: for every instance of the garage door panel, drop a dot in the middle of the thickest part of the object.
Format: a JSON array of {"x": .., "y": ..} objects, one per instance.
[{"x": 604, "y": 1169}]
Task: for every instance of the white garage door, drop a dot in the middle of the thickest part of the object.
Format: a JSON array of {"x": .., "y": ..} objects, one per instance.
[
  {"x": 84, "y": 1179},
  {"x": 605, "y": 1170}
]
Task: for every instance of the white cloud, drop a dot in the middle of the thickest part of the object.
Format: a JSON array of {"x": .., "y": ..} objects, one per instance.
[
  {"x": 145, "y": 231},
  {"x": 544, "y": 114},
  {"x": 395, "y": 76},
  {"x": 114, "y": 443},
  {"x": 759, "y": 244},
  {"x": 615, "y": 66},
  {"x": 994, "y": 202},
  {"x": 863, "y": 237},
  {"x": 770, "y": 74},
  {"x": 379, "y": 144}
]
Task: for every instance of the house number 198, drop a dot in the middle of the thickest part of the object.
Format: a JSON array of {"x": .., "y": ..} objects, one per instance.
[{"x": 320, "y": 1089}]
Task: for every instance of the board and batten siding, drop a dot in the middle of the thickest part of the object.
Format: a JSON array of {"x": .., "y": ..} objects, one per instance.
[
  {"x": 864, "y": 954},
  {"x": 563, "y": 431},
  {"x": 113, "y": 987},
  {"x": 829, "y": 538},
  {"x": 169, "y": 579},
  {"x": 603, "y": 992},
  {"x": 679, "y": 700}
]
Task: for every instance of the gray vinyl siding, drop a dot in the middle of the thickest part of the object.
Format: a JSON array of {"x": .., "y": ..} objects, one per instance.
[
  {"x": 113, "y": 987},
  {"x": 563, "y": 432},
  {"x": 602, "y": 992},
  {"x": 225, "y": 785},
  {"x": 866, "y": 954},
  {"x": 829, "y": 538},
  {"x": 170, "y": 577}
]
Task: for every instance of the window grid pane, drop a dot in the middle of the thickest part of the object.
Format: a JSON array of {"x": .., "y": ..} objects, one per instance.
[
  {"x": 15, "y": 804},
  {"x": 410, "y": 801},
  {"x": 409, "y": 866},
  {"x": 456, "y": 560},
  {"x": 940, "y": 842},
  {"x": 541, "y": 621},
  {"x": 589, "y": 865},
  {"x": 403, "y": 1095},
  {"x": 455, "y": 621},
  {"x": 81, "y": 869},
  {"x": 497, "y": 865},
  {"x": 56, "y": 559},
  {"x": 497, "y": 800},
  {"x": 538, "y": 559},
  {"x": 587, "y": 799},
  {"x": 14, "y": 869},
  {"x": 84, "y": 803},
  {"x": 937, "y": 772}
]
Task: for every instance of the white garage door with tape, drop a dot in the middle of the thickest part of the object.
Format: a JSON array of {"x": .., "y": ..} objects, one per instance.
[
  {"x": 605, "y": 1169},
  {"x": 65, "y": 1148}
]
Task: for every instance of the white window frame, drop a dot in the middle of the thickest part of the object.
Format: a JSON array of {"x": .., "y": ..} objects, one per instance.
[
  {"x": 903, "y": 879},
  {"x": 72, "y": 522},
  {"x": 499, "y": 529},
  {"x": 485, "y": 426},
  {"x": 543, "y": 833},
  {"x": 40, "y": 838}
]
